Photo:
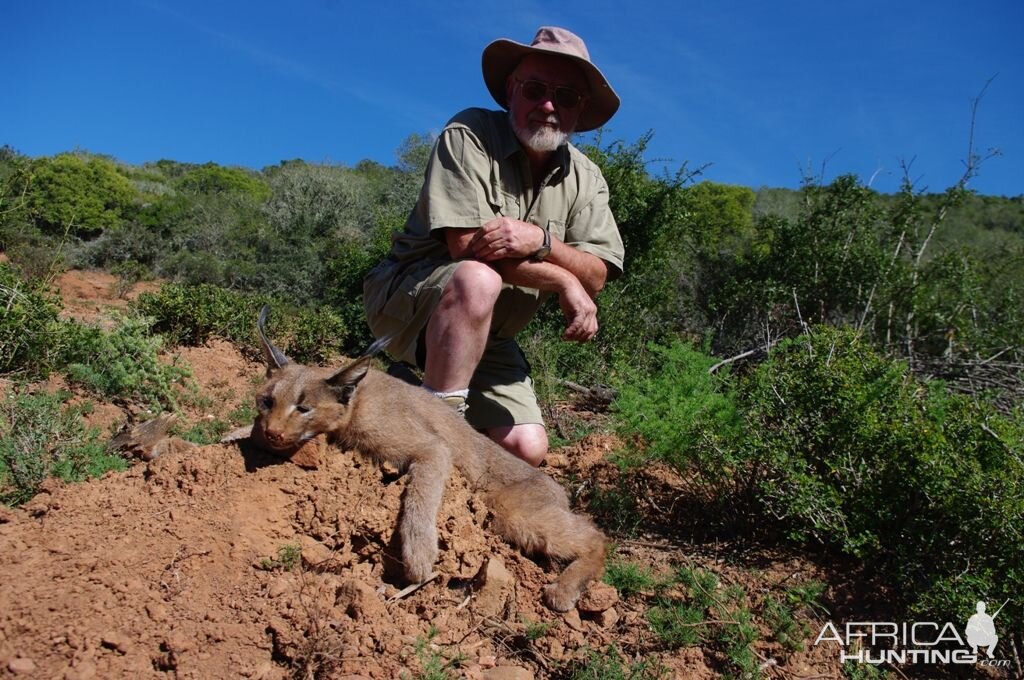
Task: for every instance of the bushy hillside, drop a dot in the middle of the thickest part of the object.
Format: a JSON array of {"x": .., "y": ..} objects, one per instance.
[{"x": 828, "y": 369}]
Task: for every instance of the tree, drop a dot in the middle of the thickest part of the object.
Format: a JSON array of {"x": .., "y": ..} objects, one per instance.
[
  {"x": 216, "y": 179},
  {"x": 80, "y": 196}
]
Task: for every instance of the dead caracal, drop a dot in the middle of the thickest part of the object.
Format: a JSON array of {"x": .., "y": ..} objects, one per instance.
[{"x": 367, "y": 410}]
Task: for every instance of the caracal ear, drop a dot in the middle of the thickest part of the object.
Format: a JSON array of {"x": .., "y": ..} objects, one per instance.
[
  {"x": 344, "y": 383},
  {"x": 275, "y": 357}
]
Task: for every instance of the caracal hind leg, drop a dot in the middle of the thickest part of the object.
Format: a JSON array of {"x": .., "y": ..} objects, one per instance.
[{"x": 535, "y": 516}]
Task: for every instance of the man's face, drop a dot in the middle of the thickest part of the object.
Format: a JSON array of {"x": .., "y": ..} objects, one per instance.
[{"x": 544, "y": 125}]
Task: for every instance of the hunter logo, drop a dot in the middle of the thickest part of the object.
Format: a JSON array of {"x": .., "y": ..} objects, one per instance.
[
  {"x": 981, "y": 630},
  {"x": 878, "y": 642}
]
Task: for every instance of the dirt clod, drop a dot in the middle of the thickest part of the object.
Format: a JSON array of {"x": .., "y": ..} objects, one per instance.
[
  {"x": 597, "y": 598},
  {"x": 21, "y": 666}
]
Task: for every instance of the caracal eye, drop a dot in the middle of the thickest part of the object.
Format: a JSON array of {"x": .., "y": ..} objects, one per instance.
[
  {"x": 303, "y": 408},
  {"x": 265, "y": 402}
]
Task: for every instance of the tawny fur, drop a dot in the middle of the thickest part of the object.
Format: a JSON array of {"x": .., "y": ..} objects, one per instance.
[{"x": 392, "y": 421}]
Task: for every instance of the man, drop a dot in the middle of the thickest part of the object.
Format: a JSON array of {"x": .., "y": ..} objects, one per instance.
[{"x": 509, "y": 214}]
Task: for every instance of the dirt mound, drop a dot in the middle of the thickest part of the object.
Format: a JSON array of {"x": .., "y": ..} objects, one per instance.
[
  {"x": 176, "y": 565},
  {"x": 224, "y": 562}
]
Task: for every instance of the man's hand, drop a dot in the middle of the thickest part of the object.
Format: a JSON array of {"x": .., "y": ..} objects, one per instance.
[
  {"x": 580, "y": 312},
  {"x": 503, "y": 238}
]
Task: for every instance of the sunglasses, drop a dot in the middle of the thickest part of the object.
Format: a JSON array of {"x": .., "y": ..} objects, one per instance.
[{"x": 538, "y": 91}]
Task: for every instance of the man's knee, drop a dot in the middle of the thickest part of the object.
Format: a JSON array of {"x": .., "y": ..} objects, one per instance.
[
  {"x": 528, "y": 441},
  {"x": 473, "y": 288}
]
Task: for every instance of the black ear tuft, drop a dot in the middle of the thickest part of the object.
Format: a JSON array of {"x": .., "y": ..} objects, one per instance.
[
  {"x": 275, "y": 357},
  {"x": 377, "y": 346}
]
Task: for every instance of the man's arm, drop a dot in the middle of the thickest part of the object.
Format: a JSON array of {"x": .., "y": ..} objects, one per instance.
[
  {"x": 504, "y": 238},
  {"x": 575, "y": 298}
]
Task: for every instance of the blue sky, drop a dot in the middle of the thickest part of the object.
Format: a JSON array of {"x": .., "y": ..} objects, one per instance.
[{"x": 763, "y": 92}]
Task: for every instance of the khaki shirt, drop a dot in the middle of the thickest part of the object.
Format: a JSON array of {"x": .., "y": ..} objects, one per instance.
[{"x": 478, "y": 171}]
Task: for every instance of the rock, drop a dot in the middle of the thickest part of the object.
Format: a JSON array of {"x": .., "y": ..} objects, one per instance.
[
  {"x": 310, "y": 455},
  {"x": 278, "y": 587},
  {"x": 493, "y": 587},
  {"x": 21, "y": 666},
  {"x": 74, "y": 639},
  {"x": 116, "y": 641},
  {"x": 556, "y": 460},
  {"x": 556, "y": 650},
  {"x": 9, "y": 514},
  {"x": 597, "y": 598},
  {"x": 472, "y": 671},
  {"x": 359, "y": 600},
  {"x": 177, "y": 642},
  {"x": 285, "y": 636},
  {"x": 39, "y": 505},
  {"x": 315, "y": 555},
  {"x": 608, "y": 618},
  {"x": 572, "y": 619},
  {"x": 157, "y": 611},
  {"x": 507, "y": 673}
]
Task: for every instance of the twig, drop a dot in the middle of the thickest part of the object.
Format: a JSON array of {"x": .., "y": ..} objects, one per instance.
[
  {"x": 598, "y": 393},
  {"x": 799, "y": 316},
  {"x": 408, "y": 590},
  {"x": 741, "y": 355}
]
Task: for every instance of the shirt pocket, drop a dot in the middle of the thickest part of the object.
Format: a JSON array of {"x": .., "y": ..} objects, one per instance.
[
  {"x": 557, "y": 229},
  {"x": 510, "y": 205}
]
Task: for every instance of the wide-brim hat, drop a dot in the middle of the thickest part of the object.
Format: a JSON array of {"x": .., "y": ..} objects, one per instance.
[{"x": 502, "y": 56}]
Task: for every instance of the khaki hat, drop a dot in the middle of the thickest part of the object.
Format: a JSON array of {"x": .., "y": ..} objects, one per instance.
[{"x": 502, "y": 56}]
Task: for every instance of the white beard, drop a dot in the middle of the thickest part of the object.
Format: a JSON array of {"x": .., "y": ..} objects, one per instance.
[{"x": 543, "y": 139}]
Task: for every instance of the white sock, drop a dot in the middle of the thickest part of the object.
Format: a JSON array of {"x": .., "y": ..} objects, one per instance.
[{"x": 443, "y": 395}]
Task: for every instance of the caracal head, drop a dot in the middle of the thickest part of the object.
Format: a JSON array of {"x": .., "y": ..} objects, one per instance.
[{"x": 298, "y": 402}]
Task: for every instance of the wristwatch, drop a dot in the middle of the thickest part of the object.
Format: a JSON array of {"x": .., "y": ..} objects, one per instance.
[{"x": 542, "y": 253}]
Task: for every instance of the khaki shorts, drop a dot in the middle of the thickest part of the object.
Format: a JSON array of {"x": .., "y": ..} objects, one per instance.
[{"x": 501, "y": 391}]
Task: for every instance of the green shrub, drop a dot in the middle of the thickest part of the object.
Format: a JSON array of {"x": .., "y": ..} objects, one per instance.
[
  {"x": 28, "y": 322},
  {"x": 347, "y": 265},
  {"x": 677, "y": 623},
  {"x": 615, "y": 508},
  {"x": 925, "y": 487},
  {"x": 128, "y": 274},
  {"x": 629, "y": 578},
  {"x": 41, "y": 437},
  {"x": 608, "y": 664},
  {"x": 685, "y": 416},
  {"x": 289, "y": 558},
  {"x": 191, "y": 315},
  {"x": 122, "y": 363},
  {"x": 78, "y": 194},
  {"x": 214, "y": 179}
]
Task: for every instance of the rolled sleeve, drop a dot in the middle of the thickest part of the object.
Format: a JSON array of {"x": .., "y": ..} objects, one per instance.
[
  {"x": 592, "y": 229},
  {"x": 457, "y": 186}
]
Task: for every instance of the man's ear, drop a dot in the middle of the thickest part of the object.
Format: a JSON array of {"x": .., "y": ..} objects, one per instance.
[{"x": 343, "y": 383}]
